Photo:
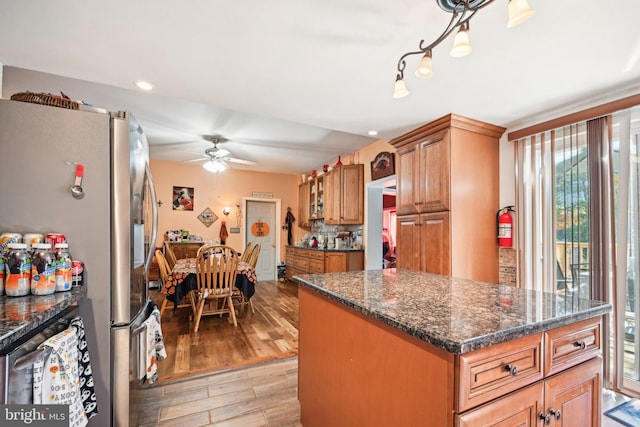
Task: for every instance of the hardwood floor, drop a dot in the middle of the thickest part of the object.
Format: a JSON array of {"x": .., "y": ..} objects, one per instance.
[{"x": 269, "y": 333}]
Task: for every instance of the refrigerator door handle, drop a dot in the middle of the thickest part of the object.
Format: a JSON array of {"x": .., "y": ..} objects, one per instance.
[{"x": 154, "y": 210}]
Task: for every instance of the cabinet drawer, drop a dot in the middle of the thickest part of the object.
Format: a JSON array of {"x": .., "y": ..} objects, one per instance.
[
  {"x": 572, "y": 344},
  {"x": 318, "y": 256},
  {"x": 497, "y": 370},
  {"x": 316, "y": 266},
  {"x": 301, "y": 264}
]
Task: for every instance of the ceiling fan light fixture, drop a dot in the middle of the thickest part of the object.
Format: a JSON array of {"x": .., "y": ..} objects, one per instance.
[
  {"x": 519, "y": 12},
  {"x": 215, "y": 165},
  {"x": 461, "y": 44}
]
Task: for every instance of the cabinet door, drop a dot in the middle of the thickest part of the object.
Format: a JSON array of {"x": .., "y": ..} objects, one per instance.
[
  {"x": 435, "y": 173},
  {"x": 335, "y": 262},
  {"x": 178, "y": 250},
  {"x": 191, "y": 250},
  {"x": 408, "y": 193},
  {"x": 517, "y": 409},
  {"x": 352, "y": 194},
  {"x": 436, "y": 243},
  {"x": 408, "y": 242},
  {"x": 573, "y": 396},
  {"x": 332, "y": 197},
  {"x": 303, "y": 204}
]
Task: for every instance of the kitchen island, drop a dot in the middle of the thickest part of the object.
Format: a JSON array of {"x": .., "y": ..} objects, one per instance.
[{"x": 400, "y": 347}]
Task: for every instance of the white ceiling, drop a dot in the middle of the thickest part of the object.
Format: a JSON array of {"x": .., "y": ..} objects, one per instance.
[{"x": 293, "y": 84}]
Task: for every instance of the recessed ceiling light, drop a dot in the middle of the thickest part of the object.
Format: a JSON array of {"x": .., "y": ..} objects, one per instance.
[
  {"x": 373, "y": 132},
  {"x": 141, "y": 84}
]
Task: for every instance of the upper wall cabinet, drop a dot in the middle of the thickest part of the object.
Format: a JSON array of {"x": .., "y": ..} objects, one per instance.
[
  {"x": 344, "y": 195},
  {"x": 303, "y": 204},
  {"x": 448, "y": 192}
]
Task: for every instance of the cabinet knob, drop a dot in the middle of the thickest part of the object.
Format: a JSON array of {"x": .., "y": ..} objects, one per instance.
[
  {"x": 581, "y": 344},
  {"x": 557, "y": 414},
  {"x": 546, "y": 418},
  {"x": 512, "y": 369}
]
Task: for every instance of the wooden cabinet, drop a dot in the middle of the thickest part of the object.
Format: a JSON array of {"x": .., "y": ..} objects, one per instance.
[
  {"x": 517, "y": 383},
  {"x": 316, "y": 198},
  {"x": 449, "y": 168},
  {"x": 303, "y": 204},
  {"x": 344, "y": 195},
  {"x": 185, "y": 249},
  {"x": 423, "y": 243},
  {"x": 314, "y": 261}
]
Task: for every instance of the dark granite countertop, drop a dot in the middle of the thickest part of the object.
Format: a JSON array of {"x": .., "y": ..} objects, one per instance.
[
  {"x": 21, "y": 315},
  {"x": 455, "y": 315}
]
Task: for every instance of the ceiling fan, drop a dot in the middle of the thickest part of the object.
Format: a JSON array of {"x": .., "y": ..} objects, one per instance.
[{"x": 217, "y": 157}]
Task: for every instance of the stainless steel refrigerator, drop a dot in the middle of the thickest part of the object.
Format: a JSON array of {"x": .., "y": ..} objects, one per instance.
[{"x": 111, "y": 225}]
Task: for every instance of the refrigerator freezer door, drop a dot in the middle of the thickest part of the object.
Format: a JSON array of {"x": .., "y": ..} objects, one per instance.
[{"x": 130, "y": 236}]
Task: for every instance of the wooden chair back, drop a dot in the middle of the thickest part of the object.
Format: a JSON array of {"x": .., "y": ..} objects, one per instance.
[
  {"x": 170, "y": 256},
  {"x": 255, "y": 253},
  {"x": 247, "y": 252},
  {"x": 163, "y": 266},
  {"x": 217, "y": 267}
]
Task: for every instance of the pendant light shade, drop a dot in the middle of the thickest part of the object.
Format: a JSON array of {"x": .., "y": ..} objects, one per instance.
[
  {"x": 424, "y": 70},
  {"x": 461, "y": 44},
  {"x": 215, "y": 165},
  {"x": 519, "y": 11},
  {"x": 399, "y": 88}
]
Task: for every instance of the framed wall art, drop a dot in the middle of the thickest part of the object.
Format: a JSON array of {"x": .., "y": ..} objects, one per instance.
[
  {"x": 183, "y": 198},
  {"x": 383, "y": 165}
]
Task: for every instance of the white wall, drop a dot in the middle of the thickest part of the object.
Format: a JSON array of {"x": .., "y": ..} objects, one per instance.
[{"x": 507, "y": 173}]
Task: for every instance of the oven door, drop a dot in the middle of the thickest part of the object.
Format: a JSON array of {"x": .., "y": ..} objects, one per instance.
[{"x": 16, "y": 362}]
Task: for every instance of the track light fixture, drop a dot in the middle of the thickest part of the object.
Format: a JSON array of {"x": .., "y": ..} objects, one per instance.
[{"x": 461, "y": 13}]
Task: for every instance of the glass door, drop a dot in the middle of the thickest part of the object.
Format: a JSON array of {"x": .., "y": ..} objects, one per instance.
[{"x": 626, "y": 161}]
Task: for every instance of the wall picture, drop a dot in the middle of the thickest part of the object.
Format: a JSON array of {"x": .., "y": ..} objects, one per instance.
[
  {"x": 183, "y": 198},
  {"x": 383, "y": 165}
]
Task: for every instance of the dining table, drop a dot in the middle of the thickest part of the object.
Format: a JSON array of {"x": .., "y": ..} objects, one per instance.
[{"x": 183, "y": 279}]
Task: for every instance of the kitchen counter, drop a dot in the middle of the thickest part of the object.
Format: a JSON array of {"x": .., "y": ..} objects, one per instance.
[
  {"x": 21, "y": 315},
  {"x": 401, "y": 347},
  {"x": 319, "y": 249},
  {"x": 455, "y": 315}
]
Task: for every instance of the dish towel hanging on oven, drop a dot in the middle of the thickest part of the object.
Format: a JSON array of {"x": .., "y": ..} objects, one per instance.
[
  {"x": 87, "y": 390},
  {"x": 55, "y": 376},
  {"x": 152, "y": 347}
]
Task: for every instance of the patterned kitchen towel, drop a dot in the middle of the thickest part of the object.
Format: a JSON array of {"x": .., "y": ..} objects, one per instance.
[
  {"x": 154, "y": 345},
  {"x": 55, "y": 376},
  {"x": 87, "y": 390}
]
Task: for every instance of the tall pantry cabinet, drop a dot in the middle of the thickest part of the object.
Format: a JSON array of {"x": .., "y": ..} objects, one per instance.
[{"x": 447, "y": 198}]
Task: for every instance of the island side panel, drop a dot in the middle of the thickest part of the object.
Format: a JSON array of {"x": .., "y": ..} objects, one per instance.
[{"x": 357, "y": 371}]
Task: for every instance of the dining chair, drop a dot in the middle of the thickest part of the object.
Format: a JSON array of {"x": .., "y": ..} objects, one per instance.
[
  {"x": 165, "y": 271},
  {"x": 216, "y": 270},
  {"x": 247, "y": 252},
  {"x": 171, "y": 256},
  {"x": 252, "y": 260}
]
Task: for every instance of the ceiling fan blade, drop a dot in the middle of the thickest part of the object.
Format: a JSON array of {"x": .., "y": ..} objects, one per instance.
[
  {"x": 240, "y": 161},
  {"x": 202, "y": 159}
]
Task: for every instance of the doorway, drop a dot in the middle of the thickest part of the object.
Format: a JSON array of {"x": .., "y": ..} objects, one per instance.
[
  {"x": 261, "y": 220},
  {"x": 378, "y": 217}
]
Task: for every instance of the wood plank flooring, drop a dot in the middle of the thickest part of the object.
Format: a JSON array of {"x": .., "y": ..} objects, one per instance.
[
  {"x": 259, "y": 395},
  {"x": 269, "y": 333}
]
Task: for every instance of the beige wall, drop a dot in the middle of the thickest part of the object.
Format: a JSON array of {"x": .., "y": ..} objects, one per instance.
[{"x": 215, "y": 191}]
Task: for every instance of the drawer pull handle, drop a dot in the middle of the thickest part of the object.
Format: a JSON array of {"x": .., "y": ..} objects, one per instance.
[
  {"x": 418, "y": 203},
  {"x": 512, "y": 369},
  {"x": 581, "y": 344},
  {"x": 545, "y": 418},
  {"x": 557, "y": 414}
]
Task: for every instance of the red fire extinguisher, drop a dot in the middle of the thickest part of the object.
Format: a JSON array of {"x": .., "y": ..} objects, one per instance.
[{"x": 504, "y": 222}]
